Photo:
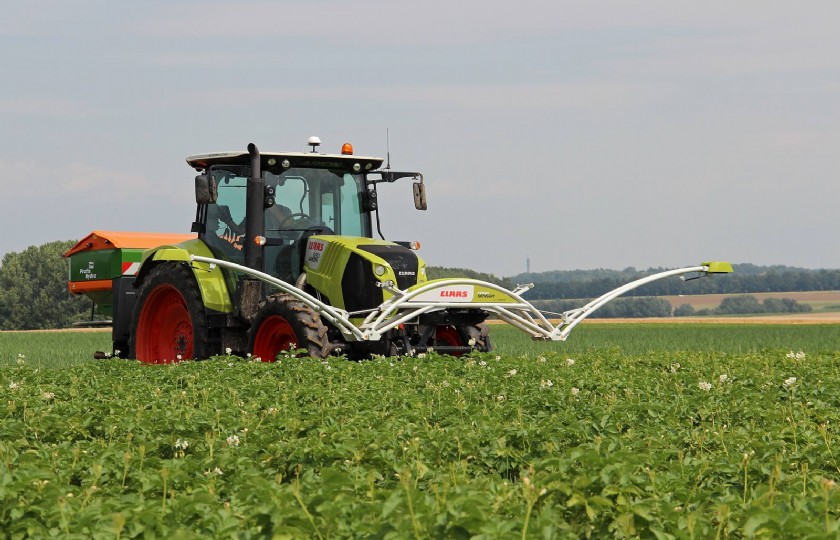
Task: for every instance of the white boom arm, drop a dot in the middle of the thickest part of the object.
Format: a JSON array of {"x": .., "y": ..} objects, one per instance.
[{"x": 405, "y": 306}]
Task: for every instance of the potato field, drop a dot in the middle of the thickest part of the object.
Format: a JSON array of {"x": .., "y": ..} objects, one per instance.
[{"x": 625, "y": 431}]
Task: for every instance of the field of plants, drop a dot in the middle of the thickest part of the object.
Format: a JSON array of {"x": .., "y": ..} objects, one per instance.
[{"x": 626, "y": 430}]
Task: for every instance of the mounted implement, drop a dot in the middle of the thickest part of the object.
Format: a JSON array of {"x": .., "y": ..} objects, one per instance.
[{"x": 283, "y": 256}]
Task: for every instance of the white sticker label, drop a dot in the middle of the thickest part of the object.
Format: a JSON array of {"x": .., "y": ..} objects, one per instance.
[
  {"x": 314, "y": 250},
  {"x": 449, "y": 293}
]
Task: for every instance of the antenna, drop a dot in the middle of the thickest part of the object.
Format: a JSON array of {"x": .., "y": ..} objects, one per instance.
[{"x": 388, "y": 149}]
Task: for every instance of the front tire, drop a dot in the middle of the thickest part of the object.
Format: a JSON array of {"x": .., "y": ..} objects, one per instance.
[
  {"x": 475, "y": 336},
  {"x": 169, "y": 322},
  {"x": 285, "y": 323}
]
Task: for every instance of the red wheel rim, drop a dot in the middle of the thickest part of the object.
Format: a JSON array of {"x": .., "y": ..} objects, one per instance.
[
  {"x": 274, "y": 336},
  {"x": 448, "y": 336},
  {"x": 165, "y": 330}
]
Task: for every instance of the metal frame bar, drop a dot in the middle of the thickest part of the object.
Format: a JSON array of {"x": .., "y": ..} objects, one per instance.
[
  {"x": 573, "y": 317},
  {"x": 402, "y": 306},
  {"x": 336, "y": 316}
]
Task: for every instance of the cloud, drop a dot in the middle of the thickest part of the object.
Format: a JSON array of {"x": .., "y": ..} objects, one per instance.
[
  {"x": 46, "y": 106},
  {"x": 28, "y": 180},
  {"x": 593, "y": 94},
  {"x": 193, "y": 60}
]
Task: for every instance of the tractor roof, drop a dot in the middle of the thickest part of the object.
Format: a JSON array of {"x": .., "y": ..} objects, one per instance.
[{"x": 277, "y": 162}]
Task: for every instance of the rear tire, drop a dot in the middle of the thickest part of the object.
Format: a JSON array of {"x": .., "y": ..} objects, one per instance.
[
  {"x": 169, "y": 322},
  {"x": 282, "y": 323}
]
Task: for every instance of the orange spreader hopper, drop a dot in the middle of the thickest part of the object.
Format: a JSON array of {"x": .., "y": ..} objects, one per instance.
[{"x": 101, "y": 256}]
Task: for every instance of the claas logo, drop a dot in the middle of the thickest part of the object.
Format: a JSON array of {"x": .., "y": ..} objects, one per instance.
[
  {"x": 316, "y": 246},
  {"x": 453, "y": 294}
]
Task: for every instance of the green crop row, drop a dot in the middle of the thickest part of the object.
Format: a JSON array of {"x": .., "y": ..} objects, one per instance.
[
  {"x": 603, "y": 443},
  {"x": 59, "y": 349},
  {"x": 641, "y": 338}
]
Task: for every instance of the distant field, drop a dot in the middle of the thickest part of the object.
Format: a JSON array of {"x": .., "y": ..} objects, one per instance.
[
  {"x": 819, "y": 317},
  {"x": 51, "y": 349},
  {"x": 821, "y": 301}
]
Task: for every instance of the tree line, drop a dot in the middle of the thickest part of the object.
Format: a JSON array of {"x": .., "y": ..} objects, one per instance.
[
  {"x": 774, "y": 280},
  {"x": 632, "y": 308},
  {"x": 33, "y": 289},
  {"x": 34, "y": 295},
  {"x": 745, "y": 304}
]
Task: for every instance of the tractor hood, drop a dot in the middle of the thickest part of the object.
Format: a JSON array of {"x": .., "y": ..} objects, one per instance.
[{"x": 348, "y": 270}]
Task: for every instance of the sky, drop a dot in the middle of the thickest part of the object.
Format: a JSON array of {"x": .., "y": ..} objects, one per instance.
[{"x": 574, "y": 135}]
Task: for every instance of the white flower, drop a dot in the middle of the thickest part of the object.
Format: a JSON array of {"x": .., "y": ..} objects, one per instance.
[
  {"x": 570, "y": 362},
  {"x": 179, "y": 357},
  {"x": 575, "y": 391},
  {"x": 181, "y": 444},
  {"x": 511, "y": 373},
  {"x": 674, "y": 367},
  {"x": 48, "y": 395},
  {"x": 471, "y": 342},
  {"x": 500, "y": 397},
  {"x": 228, "y": 350},
  {"x": 723, "y": 378},
  {"x": 705, "y": 386},
  {"x": 217, "y": 471},
  {"x": 117, "y": 352},
  {"x": 796, "y": 355},
  {"x": 790, "y": 381},
  {"x": 541, "y": 359},
  {"x": 13, "y": 385},
  {"x": 233, "y": 440},
  {"x": 546, "y": 383},
  {"x": 482, "y": 363}
]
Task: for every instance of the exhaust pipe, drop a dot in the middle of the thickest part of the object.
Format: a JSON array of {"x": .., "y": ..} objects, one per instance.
[{"x": 254, "y": 223}]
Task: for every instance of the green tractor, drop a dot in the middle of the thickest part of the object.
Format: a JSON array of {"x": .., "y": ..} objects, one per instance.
[{"x": 284, "y": 258}]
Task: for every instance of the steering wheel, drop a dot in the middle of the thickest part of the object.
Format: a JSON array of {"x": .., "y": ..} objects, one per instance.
[{"x": 299, "y": 216}]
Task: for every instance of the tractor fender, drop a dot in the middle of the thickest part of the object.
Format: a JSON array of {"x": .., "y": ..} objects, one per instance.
[{"x": 210, "y": 278}]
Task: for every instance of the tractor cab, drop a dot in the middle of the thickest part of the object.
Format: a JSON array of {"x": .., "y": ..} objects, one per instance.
[{"x": 291, "y": 197}]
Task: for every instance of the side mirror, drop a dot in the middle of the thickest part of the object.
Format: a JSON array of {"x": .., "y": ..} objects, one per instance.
[
  {"x": 205, "y": 189},
  {"x": 420, "y": 196}
]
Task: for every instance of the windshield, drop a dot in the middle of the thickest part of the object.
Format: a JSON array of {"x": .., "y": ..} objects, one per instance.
[
  {"x": 307, "y": 202},
  {"x": 306, "y": 198}
]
